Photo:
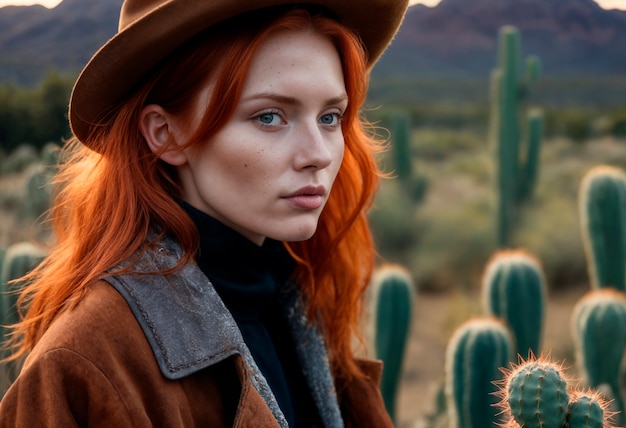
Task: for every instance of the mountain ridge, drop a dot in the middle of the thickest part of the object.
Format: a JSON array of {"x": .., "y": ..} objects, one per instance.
[
  {"x": 455, "y": 39},
  {"x": 459, "y": 37}
]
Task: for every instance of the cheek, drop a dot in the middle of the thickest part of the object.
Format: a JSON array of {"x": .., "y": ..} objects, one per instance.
[{"x": 338, "y": 155}]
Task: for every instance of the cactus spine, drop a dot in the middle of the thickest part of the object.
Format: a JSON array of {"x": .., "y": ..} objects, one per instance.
[
  {"x": 602, "y": 205},
  {"x": 585, "y": 411},
  {"x": 392, "y": 294},
  {"x": 516, "y": 177},
  {"x": 513, "y": 288},
  {"x": 537, "y": 394},
  {"x": 475, "y": 353},
  {"x": 599, "y": 331}
]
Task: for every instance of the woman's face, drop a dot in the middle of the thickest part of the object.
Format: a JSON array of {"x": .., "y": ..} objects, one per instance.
[{"x": 269, "y": 171}]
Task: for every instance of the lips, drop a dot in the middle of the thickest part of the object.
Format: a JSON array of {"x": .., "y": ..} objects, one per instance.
[{"x": 308, "y": 197}]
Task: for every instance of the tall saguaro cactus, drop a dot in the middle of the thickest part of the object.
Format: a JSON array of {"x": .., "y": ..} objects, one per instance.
[
  {"x": 517, "y": 145},
  {"x": 391, "y": 305},
  {"x": 602, "y": 205},
  {"x": 514, "y": 289},
  {"x": 474, "y": 356},
  {"x": 599, "y": 331}
]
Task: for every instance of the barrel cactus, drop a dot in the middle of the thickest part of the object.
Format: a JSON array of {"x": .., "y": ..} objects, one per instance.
[
  {"x": 391, "y": 305},
  {"x": 537, "y": 393},
  {"x": 475, "y": 353},
  {"x": 587, "y": 409},
  {"x": 514, "y": 289},
  {"x": 602, "y": 205}
]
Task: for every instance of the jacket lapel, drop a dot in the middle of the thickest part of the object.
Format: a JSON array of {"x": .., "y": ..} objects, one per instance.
[{"x": 189, "y": 328}]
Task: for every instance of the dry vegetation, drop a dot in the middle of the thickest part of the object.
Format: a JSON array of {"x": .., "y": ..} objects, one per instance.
[{"x": 455, "y": 227}]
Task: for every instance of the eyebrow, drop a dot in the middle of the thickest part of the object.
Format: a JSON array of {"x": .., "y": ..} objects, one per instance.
[{"x": 285, "y": 99}]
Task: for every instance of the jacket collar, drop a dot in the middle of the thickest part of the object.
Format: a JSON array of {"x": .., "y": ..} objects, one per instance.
[{"x": 189, "y": 328}]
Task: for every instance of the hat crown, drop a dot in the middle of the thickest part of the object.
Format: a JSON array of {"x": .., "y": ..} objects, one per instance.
[
  {"x": 132, "y": 10},
  {"x": 122, "y": 62}
]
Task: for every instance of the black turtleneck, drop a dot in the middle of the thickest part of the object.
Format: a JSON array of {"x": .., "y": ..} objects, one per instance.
[{"x": 250, "y": 279}]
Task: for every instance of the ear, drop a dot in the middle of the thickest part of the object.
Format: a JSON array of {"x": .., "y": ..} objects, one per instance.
[{"x": 154, "y": 125}]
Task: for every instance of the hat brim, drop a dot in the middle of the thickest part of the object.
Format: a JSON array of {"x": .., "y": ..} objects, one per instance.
[{"x": 117, "y": 67}]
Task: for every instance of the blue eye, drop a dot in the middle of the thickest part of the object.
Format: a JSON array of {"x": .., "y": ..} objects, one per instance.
[
  {"x": 331, "y": 119},
  {"x": 269, "y": 118}
]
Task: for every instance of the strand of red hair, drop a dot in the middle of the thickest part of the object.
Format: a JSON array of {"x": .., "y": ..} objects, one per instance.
[{"x": 112, "y": 197}]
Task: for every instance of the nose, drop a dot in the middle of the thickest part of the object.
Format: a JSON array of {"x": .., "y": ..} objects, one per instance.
[{"x": 314, "y": 147}]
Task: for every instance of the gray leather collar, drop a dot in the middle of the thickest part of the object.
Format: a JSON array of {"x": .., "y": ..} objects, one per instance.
[{"x": 189, "y": 328}]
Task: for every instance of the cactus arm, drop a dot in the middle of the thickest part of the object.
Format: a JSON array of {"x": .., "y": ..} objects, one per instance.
[{"x": 530, "y": 165}]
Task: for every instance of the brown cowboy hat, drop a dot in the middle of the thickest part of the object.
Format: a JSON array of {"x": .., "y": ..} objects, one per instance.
[{"x": 151, "y": 29}]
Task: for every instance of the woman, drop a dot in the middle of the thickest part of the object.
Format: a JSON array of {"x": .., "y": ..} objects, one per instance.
[{"x": 205, "y": 274}]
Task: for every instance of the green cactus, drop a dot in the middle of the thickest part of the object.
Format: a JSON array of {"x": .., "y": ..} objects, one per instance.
[
  {"x": 475, "y": 353},
  {"x": 602, "y": 205},
  {"x": 401, "y": 141},
  {"x": 516, "y": 177},
  {"x": 538, "y": 394},
  {"x": 599, "y": 331},
  {"x": 391, "y": 304},
  {"x": 414, "y": 184},
  {"x": 19, "y": 259},
  {"x": 514, "y": 290},
  {"x": 39, "y": 182},
  {"x": 585, "y": 411}
]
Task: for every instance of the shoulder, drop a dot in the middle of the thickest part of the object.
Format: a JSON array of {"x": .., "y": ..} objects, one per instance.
[
  {"x": 100, "y": 324},
  {"x": 100, "y": 334},
  {"x": 68, "y": 369},
  {"x": 95, "y": 365}
]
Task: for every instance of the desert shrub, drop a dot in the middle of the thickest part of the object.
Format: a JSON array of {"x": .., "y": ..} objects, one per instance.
[
  {"x": 617, "y": 123},
  {"x": 576, "y": 124},
  {"x": 394, "y": 223},
  {"x": 456, "y": 241},
  {"x": 19, "y": 159},
  {"x": 438, "y": 144},
  {"x": 34, "y": 115}
]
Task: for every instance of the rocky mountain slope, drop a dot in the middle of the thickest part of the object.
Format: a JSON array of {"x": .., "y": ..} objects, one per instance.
[{"x": 455, "y": 39}]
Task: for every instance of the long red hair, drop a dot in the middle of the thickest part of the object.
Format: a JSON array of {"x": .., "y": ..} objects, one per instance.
[{"x": 111, "y": 197}]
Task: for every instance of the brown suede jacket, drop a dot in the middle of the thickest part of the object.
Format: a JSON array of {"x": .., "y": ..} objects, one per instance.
[{"x": 109, "y": 363}]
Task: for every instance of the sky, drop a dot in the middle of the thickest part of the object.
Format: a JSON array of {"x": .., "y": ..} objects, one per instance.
[{"x": 606, "y": 4}]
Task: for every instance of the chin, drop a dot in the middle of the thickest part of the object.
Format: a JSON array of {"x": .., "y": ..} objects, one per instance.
[{"x": 300, "y": 233}]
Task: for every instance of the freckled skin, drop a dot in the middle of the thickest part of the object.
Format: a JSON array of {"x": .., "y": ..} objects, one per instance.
[{"x": 285, "y": 134}]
